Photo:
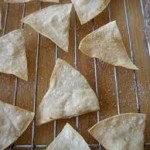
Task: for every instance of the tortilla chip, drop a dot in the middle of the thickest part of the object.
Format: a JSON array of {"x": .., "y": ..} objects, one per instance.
[
  {"x": 69, "y": 95},
  {"x": 16, "y": 1},
  {"x": 68, "y": 139},
  {"x": 13, "y": 122},
  {"x": 52, "y": 22},
  {"x": 12, "y": 54},
  {"x": 121, "y": 132},
  {"x": 106, "y": 44},
  {"x": 55, "y": 1},
  {"x": 89, "y": 9}
]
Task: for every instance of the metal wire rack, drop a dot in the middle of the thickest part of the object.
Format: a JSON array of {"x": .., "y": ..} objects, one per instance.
[{"x": 98, "y": 146}]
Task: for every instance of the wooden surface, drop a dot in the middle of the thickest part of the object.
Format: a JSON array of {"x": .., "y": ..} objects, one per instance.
[{"x": 106, "y": 82}]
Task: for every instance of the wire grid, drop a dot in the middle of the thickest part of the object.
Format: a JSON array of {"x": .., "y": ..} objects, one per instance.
[{"x": 33, "y": 146}]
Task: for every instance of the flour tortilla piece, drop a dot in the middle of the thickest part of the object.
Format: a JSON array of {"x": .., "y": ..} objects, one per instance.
[
  {"x": 106, "y": 44},
  {"x": 12, "y": 54},
  {"x": 121, "y": 132},
  {"x": 55, "y": 1},
  {"x": 68, "y": 139},
  {"x": 13, "y": 122},
  {"x": 52, "y": 22},
  {"x": 16, "y": 1},
  {"x": 89, "y": 9},
  {"x": 69, "y": 95}
]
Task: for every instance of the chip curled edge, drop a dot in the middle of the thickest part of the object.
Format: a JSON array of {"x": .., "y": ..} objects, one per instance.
[
  {"x": 121, "y": 132},
  {"x": 13, "y": 122},
  {"x": 106, "y": 44},
  {"x": 89, "y": 9},
  {"x": 68, "y": 139},
  {"x": 17, "y": 1},
  {"x": 13, "y": 54},
  {"x": 69, "y": 95},
  {"x": 52, "y": 22}
]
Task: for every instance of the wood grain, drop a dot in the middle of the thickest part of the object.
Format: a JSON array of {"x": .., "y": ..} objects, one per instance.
[{"x": 106, "y": 81}]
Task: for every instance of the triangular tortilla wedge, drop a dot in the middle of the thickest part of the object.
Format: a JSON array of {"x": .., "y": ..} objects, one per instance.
[
  {"x": 53, "y": 22},
  {"x": 68, "y": 139},
  {"x": 121, "y": 132},
  {"x": 55, "y": 1},
  {"x": 106, "y": 44},
  {"x": 89, "y": 9},
  {"x": 12, "y": 54},
  {"x": 69, "y": 95},
  {"x": 13, "y": 122},
  {"x": 17, "y": 1}
]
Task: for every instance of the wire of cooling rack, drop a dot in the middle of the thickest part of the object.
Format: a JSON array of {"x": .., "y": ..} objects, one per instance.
[
  {"x": 132, "y": 55},
  {"x": 33, "y": 145},
  {"x": 115, "y": 75},
  {"x": 96, "y": 82},
  {"x": 35, "y": 88}
]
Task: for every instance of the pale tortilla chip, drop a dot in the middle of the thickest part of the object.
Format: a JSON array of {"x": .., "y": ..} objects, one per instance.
[
  {"x": 121, "y": 132},
  {"x": 68, "y": 139},
  {"x": 69, "y": 95},
  {"x": 16, "y": 1},
  {"x": 106, "y": 44},
  {"x": 13, "y": 122},
  {"x": 55, "y": 1},
  {"x": 89, "y": 9},
  {"x": 53, "y": 22},
  {"x": 12, "y": 54}
]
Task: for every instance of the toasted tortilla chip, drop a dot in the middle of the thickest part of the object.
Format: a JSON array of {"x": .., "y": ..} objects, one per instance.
[
  {"x": 55, "y": 1},
  {"x": 68, "y": 139},
  {"x": 53, "y": 22},
  {"x": 69, "y": 95},
  {"x": 121, "y": 132},
  {"x": 106, "y": 44},
  {"x": 13, "y": 122},
  {"x": 12, "y": 54},
  {"x": 16, "y": 1},
  {"x": 89, "y": 9}
]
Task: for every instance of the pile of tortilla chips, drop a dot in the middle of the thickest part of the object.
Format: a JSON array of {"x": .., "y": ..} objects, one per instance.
[{"x": 69, "y": 93}]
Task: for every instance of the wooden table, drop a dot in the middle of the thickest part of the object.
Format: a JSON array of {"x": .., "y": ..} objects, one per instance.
[{"x": 41, "y": 54}]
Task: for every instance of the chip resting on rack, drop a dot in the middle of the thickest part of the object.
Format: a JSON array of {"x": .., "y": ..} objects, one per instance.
[
  {"x": 68, "y": 139},
  {"x": 13, "y": 54},
  {"x": 52, "y": 22},
  {"x": 13, "y": 122},
  {"x": 89, "y": 9},
  {"x": 17, "y": 1},
  {"x": 106, "y": 44},
  {"x": 55, "y": 1},
  {"x": 69, "y": 95},
  {"x": 121, "y": 132}
]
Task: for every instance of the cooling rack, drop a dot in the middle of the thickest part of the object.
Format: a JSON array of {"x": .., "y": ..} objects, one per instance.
[{"x": 119, "y": 90}]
